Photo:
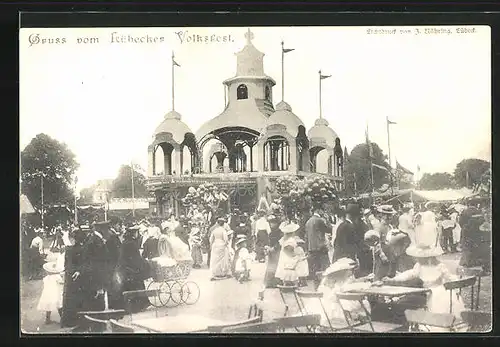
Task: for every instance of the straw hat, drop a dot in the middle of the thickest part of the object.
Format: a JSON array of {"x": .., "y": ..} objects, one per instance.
[
  {"x": 342, "y": 264},
  {"x": 424, "y": 251},
  {"x": 386, "y": 209},
  {"x": 372, "y": 235},
  {"x": 53, "y": 267},
  {"x": 290, "y": 228}
]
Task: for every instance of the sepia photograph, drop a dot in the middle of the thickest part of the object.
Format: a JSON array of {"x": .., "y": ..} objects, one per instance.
[{"x": 229, "y": 180}]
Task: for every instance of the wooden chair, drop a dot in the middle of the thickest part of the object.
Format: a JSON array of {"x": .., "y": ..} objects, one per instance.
[
  {"x": 473, "y": 271},
  {"x": 309, "y": 299},
  {"x": 220, "y": 328},
  {"x": 95, "y": 325},
  {"x": 256, "y": 309},
  {"x": 477, "y": 321},
  {"x": 421, "y": 320},
  {"x": 286, "y": 291},
  {"x": 129, "y": 296},
  {"x": 366, "y": 324},
  {"x": 268, "y": 327},
  {"x": 295, "y": 322},
  {"x": 117, "y": 327},
  {"x": 460, "y": 284}
]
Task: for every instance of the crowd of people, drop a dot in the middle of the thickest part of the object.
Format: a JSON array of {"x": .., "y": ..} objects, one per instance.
[{"x": 351, "y": 247}]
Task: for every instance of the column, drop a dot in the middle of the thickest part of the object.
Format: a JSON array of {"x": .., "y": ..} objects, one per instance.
[
  {"x": 292, "y": 150},
  {"x": 151, "y": 161}
]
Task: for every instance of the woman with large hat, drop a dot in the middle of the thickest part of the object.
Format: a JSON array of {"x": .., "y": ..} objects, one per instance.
[
  {"x": 433, "y": 274},
  {"x": 284, "y": 257},
  {"x": 220, "y": 263}
]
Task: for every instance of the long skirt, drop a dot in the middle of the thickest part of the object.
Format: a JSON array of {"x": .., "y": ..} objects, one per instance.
[
  {"x": 220, "y": 264},
  {"x": 260, "y": 243},
  {"x": 196, "y": 254},
  {"x": 270, "y": 281}
]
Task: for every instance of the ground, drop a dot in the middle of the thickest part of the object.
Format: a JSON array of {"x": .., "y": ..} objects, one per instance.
[{"x": 226, "y": 300}]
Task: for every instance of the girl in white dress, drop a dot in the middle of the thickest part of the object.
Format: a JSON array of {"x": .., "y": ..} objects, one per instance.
[
  {"x": 433, "y": 274},
  {"x": 52, "y": 293},
  {"x": 338, "y": 278},
  {"x": 302, "y": 266},
  {"x": 286, "y": 256}
]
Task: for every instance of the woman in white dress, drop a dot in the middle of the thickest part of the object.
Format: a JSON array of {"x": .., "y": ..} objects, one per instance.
[
  {"x": 433, "y": 274},
  {"x": 220, "y": 264},
  {"x": 53, "y": 286}
]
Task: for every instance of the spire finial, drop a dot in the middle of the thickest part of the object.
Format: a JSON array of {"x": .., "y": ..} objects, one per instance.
[{"x": 249, "y": 36}]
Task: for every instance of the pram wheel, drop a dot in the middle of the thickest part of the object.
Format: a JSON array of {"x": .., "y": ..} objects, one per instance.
[
  {"x": 175, "y": 292},
  {"x": 157, "y": 301},
  {"x": 190, "y": 293}
]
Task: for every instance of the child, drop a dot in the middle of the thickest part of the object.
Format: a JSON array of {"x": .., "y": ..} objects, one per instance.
[
  {"x": 286, "y": 256},
  {"x": 243, "y": 259},
  {"x": 195, "y": 244},
  {"x": 289, "y": 276},
  {"x": 302, "y": 266},
  {"x": 337, "y": 278},
  {"x": 51, "y": 298}
]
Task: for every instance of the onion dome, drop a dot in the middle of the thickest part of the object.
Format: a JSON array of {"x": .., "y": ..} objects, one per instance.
[
  {"x": 321, "y": 130},
  {"x": 284, "y": 115},
  {"x": 174, "y": 125}
]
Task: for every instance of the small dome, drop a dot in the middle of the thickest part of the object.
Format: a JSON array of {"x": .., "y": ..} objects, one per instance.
[
  {"x": 323, "y": 131},
  {"x": 284, "y": 115},
  {"x": 174, "y": 125}
]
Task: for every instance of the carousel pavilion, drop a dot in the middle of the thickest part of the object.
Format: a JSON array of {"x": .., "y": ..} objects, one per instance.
[{"x": 245, "y": 148}]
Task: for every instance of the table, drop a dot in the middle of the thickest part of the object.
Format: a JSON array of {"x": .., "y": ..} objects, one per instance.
[
  {"x": 391, "y": 291},
  {"x": 177, "y": 324},
  {"x": 104, "y": 315}
]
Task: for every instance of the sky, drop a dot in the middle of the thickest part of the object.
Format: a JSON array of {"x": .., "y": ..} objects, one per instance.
[{"x": 105, "y": 99}]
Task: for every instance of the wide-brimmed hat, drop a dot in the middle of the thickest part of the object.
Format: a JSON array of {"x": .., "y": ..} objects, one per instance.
[
  {"x": 84, "y": 227},
  {"x": 431, "y": 204},
  {"x": 53, "y": 267},
  {"x": 342, "y": 264},
  {"x": 240, "y": 241},
  {"x": 386, "y": 209},
  {"x": 485, "y": 226},
  {"x": 372, "y": 235},
  {"x": 424, "y": 251},
  {"x": 290, "y": 228}
]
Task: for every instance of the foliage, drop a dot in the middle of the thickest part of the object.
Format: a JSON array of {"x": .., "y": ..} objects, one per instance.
[
  {"x": 436, "y": 181},
  {"x": 56, "y": 162},
  {"x": 86, "y": 195},
  {"x": 122, "y": 184},
  {"x": 357, "y": 169},
  {"x": 206, "y": 195},
  {"x": 475, "y": 169}
]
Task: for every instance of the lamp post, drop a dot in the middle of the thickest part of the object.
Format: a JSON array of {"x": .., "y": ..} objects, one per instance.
[{"x": 42, "y": 174}]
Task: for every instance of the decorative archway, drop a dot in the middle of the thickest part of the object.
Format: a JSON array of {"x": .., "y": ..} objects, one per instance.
[
  {"x": 194, "y": 163},
  {"x": 168, "y": 162},
  {"x": 276, "y": 154},
  {"x": 313, "y": 153}
]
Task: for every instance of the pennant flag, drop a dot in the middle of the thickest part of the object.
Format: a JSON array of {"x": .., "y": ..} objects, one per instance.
[
  {"x": 380, "y": 167},
  {"x": 174, "y": 62},
  {"x": 286, "y": 50},
  {"x": 399, "y": 167},
  {"x": 391, "y": 122},
  {"x": 324, "y": 76}
]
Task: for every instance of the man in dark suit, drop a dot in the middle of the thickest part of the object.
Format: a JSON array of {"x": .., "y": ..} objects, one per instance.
[
  {"x": 345, "y": 244},
  {"x": 315, "y": 229}
]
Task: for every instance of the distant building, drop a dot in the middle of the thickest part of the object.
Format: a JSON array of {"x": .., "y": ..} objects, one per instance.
[{"x": 102, "y": 191}]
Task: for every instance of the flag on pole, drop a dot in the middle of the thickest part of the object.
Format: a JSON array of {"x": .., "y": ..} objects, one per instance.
[
  {"x": 380, "y": 167},
  {"x": 324, "y": 76},
  {"x": 286, "y": 50},
  {"x": 369, "y": 144},
  {"x": 174, "y": 62},
  {"x": 391, "y": 122}
]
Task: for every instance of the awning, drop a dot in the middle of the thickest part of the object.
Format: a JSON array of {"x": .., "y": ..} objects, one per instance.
[
  {"x": 25, "y": 205},
  {"x": 443, "y": 195}
]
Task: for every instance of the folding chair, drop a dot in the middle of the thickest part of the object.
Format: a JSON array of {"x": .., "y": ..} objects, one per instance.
[
  {"x": 366, "y": 324},
  {"x": 95, "y": 325},
  {"x": 286, "y": 291},
  {"x": 295, "y": 322},
  {"x": 117, "y": 327},
  {"x": 477, "y": 321},
  {"x": 478, "y": 273},
  {"x": 129, "y": 296},
  {"x": 309, "y": 300},
  {"x": 269, "y": 327},
  {"x": 420, "y": 319},
  {"x": 460, "y": 284},
  {"x": 220, "y": 328}
]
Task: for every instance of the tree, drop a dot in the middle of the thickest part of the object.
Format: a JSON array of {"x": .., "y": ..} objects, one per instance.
[
  {"x": 122, "y": 185},
  {"x": 357, "y": 169},
  {"x": 473, "y": 168},
  {"x": 436, "y": 181},
  {"x": 55, "y": 162},
  {"x": 86, "y": 195}
]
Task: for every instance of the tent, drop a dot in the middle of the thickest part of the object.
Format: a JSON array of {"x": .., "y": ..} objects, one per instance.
[
  {"x": 443, "y": 195},
  {"x": 25, "y": 205}
]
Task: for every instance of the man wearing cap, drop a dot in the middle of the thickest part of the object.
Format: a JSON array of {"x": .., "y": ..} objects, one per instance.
[{"x": 316, "y": 227}]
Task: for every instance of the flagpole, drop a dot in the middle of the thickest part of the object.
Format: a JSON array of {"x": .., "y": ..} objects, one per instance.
[
  {"x": 370, "y": 156},
  {"x": 389, "y": 148},
  {"x": 173, "y": 93},
  {"x": 76, "y": 215},
  {"x": 133, "y": 198},
  {"x": 320, "y": 111},
  {"x": 282, "y": 71}
]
